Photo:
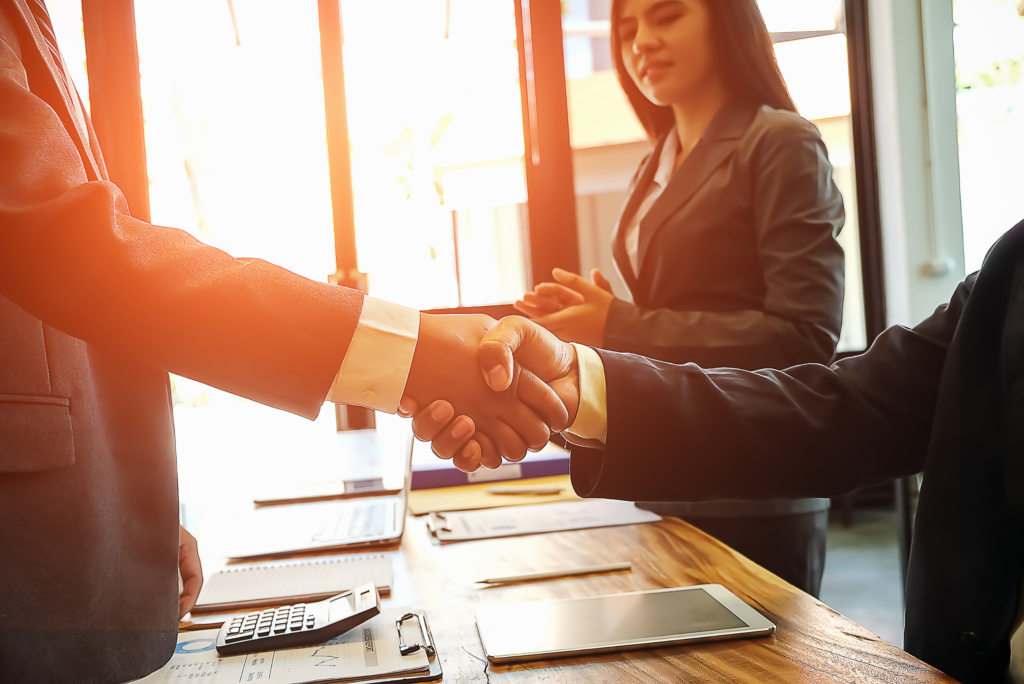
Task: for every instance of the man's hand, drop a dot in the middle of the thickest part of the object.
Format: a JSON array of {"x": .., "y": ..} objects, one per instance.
[
  {"x": 573, "y": 309},
  {"x": 513, "y": 342},
  {"x": 190, "y": 572},
  {"x": 508, "y": 422}
]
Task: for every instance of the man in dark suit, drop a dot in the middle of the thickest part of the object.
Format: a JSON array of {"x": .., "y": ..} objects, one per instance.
[
  {"x": 95, "y": 308},
  {"x": 945, "y": 398}
]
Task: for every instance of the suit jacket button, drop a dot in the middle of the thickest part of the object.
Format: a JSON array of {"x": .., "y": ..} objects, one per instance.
[{"x": 971, "y": 640}]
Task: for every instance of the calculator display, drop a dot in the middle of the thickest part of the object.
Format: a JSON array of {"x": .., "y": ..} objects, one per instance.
[{"x": 341, "y": 608}]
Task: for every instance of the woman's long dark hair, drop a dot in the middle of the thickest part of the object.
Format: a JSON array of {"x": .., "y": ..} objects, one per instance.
[{"x": 743, "y": 54}]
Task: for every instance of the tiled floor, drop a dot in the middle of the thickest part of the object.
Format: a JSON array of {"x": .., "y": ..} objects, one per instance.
[{"x": 862, "y": 573}]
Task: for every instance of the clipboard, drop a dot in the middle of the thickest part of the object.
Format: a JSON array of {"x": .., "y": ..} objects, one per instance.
[
  {"x": 396, "y": 646},
  {"x": 426, "y": 643},
  {"x": 459, "y": 526}
]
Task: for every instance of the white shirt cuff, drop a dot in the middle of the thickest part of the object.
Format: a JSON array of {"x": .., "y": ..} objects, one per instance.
[
  {"x": 376, "y": 366},
  {"x": 592, "y": 416}
]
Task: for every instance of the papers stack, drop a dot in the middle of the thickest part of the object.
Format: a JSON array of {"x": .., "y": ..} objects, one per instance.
[
  {"x": 370, "y": 652},
  {"x": 538, "y": 519}
]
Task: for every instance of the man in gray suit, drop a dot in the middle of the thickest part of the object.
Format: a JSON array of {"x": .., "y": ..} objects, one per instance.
[{"x": 95, "y": 308}]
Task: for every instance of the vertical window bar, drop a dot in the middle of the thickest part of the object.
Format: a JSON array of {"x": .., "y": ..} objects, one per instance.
[{"x": 862, "y": 111}]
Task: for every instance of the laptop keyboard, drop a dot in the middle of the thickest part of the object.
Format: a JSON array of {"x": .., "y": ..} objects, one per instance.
[{"x": 354, "y": 523}]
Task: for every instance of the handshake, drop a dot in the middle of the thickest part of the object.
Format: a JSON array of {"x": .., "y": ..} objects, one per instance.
[{"x": 482, "y": 390}]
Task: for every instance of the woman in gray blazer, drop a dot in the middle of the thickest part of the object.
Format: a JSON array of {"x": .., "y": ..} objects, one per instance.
[{"x": 727, "y": 242}]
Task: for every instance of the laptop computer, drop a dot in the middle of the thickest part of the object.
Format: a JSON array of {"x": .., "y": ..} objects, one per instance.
[{"x": 344, "y": 525}]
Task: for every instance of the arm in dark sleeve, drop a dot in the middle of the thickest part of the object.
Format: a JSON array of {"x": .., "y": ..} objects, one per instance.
[
  {"x": 798, "y": 211},
  {"x": 682, "y": 433},
  {"x": 71, "y": 256}
]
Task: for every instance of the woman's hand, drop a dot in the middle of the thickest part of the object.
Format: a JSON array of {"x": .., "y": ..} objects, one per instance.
[{"x": 573, "y": 309}]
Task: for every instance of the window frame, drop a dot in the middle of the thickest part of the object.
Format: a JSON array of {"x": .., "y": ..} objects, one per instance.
[{"x": 551, "y": 236}]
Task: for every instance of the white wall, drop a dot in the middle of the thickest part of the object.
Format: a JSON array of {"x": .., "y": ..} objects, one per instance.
[{"x": 915, "y": 126}]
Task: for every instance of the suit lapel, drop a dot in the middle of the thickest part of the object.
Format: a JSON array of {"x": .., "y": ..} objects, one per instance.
[
  {"x": 718, "y": 142},
  {"x": 69, "y": 108},
  {"x": 635, "y": 196}
]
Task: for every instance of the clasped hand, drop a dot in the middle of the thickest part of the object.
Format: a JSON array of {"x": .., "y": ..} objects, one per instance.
[{"x": 489, "y": 389}]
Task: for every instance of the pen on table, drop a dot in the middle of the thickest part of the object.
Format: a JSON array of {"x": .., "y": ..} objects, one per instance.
[
  {"x": 523, "y": 490},
  {"x": 573, "y": 572}
]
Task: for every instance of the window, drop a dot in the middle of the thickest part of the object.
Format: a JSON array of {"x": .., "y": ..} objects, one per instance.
[
  {"x": 436, "y": 135},
  {"x": 988, "y": 42},
  {"x": 66, "y": 16},
  {"x": 233, "y": 103}
]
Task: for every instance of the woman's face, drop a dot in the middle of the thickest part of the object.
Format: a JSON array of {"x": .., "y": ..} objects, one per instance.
[{"x": 666, "y": 47}]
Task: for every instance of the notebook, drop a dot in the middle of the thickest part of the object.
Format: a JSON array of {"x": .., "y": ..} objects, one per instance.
[
  {"x": 282, "y": 583},
  {"x": 476, "y": 496},
  {"x": 430, "y": 472}
]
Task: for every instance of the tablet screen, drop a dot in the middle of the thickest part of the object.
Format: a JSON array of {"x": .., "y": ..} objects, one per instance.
[{"x": 559, "y": 626}]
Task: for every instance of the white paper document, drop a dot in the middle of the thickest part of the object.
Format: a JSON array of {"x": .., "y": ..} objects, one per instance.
[
  {"x": 549, "y": 517},
  {"x": 370, "y": 651}
]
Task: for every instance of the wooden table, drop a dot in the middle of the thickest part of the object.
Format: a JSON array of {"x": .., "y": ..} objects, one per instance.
[{"x": 813, "y": 643}]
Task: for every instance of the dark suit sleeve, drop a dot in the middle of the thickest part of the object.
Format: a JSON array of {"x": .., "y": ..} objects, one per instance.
[
  {"x": 71, "y": 256},
  {"x": 682, "y": 433},
  {"x": 798, "y": 211}
]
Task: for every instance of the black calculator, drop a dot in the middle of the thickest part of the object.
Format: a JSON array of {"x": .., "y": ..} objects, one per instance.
[{"x": 300, "y": 624}]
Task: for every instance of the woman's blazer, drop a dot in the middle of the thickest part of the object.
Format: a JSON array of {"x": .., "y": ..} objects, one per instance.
[{"x": 739, "y": 263}]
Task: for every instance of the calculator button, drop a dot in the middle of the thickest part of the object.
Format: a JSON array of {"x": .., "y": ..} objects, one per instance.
[
  {"x": 236, "y": 637},
  {"x": 264, "y": 631},
  {"x": 278, "y": 628},
  {"x": 310, "y": 620}
]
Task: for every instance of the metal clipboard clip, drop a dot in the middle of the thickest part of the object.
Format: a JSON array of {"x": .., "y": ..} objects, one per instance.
[
  {"x": 428, "y": 646},
  {"x": 437, "y": 523}
]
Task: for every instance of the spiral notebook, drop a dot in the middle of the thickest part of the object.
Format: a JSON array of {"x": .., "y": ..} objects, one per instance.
[{"x": 256, "y": 586}]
